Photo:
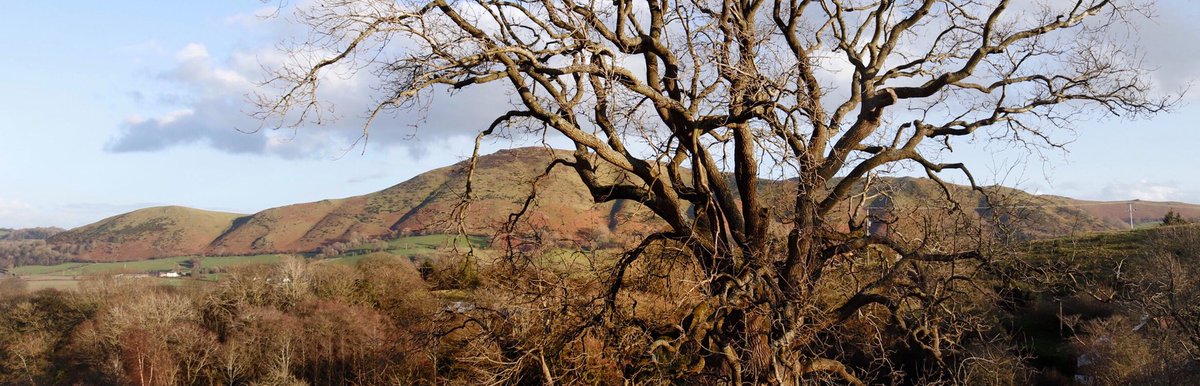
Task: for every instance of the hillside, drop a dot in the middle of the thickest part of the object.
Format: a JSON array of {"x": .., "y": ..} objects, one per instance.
[
  {"x": 564, "y": 209},
  {"x": 146, "y": 233},
  {"x": 425, "y": 203},
  {"x": 28, "y": 233},
  {"x": 914, "y": 202}
]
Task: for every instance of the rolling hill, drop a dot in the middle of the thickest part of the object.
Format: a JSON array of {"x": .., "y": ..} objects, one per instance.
[
  {"x": 28, "y": 233},
  {"x": 145, "y": 233},
  {"x": 421, "y": 205},
  {"x": 563, "y": 208},
  {"x": 424, "y": 204}
]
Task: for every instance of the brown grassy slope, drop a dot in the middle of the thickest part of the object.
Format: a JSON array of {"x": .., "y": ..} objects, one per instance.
[
  {"x": 271, "y": 230},
  {"x": 1005, "y": 209},
  {"x": 426, "y": 203},
  {"x": 502, "y": 183},
  {"x": 1117, "y": 212},
  {"x": 146, "y": 233},
  {"x": 305, "y": 227},
  {"x": 918, "y": 207},
  {"x": 1026, "y": 215}
]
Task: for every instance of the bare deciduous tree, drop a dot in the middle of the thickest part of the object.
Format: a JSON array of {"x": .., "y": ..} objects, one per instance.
[
  {"x": 1165, "y": 290},
  {"x": 692, "y": 102}
]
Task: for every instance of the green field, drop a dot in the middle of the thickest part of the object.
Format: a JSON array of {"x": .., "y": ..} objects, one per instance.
[
  {"x": 44, "y": 269},
  {"x": 67, "y": 275},
  {"x": 163, "y": 264},
  {"x": 416, "y": 246},
  {"x": 1095, "y": 246},
  {"x": 430, "y": 243}
]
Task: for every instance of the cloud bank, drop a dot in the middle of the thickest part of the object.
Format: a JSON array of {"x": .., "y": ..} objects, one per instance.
[
  {"x": 1150, "y": 191},
  {"x": 210, "y": 96},
  {"x": 209, "y": 103}
]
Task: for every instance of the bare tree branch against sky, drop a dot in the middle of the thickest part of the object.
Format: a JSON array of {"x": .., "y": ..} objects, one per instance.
[
  {"x": 684, "y": 106},
  {"x": 164, "y": 90}
]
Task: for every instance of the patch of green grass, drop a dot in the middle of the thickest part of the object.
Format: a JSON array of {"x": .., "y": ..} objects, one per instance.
[
  {"x": 351, "y": 260},
  {"x": 436, "y": 241},
  {"x": 163, "y": 264},
  {"x": 424, "y": 245},
  {"x": 578, "y": 263},
  {"x": 1098, "y": 255},
  {"x": 79, "y": 269},
  {"x": 405, "y": 246},
  {"x": 25, "y": 270},
  {"x": 1101, "y": 245},
  {"x": 230, "y": 261}
]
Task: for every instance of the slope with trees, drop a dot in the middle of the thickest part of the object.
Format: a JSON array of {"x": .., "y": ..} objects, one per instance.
[{"x": 27, "y": 246}]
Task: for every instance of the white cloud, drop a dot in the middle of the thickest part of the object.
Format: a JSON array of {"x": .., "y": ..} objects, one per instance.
[
  {"x": 192, "y": 52},
  {"x": 1176, "y": 64},
  {"x": 1148, "y": 190},
  {"x": 20, "y": 214},
  {"x": 10, "y": 209},
  {"x": 213, "y": 87},
  {"x": 173, "y": 116},
  {"x": 209, "y": 105},
  {"x": 253, "y": 19},
  {"x": 15, "y": 213}
]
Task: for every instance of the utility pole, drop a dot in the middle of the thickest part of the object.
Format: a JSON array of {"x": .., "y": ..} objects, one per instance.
[{"x": 1131, "y": 215}]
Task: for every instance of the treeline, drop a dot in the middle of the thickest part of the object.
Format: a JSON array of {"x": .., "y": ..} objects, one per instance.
[
  {"x": 28, "y": 233},
  {"x": 1133, "y": 318},
  {"x": 27, "y": 246},
  {"x": 291, "y": 323},
  {"x": 34, "y": 252}
]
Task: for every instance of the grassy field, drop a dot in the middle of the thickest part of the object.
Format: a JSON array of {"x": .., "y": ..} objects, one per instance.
[
  {"x": 163, "y": 264},
  {"x": 415, "y": 246},
  {"x": 37, "y": 282},
  {"x": 577, "y": 263},
  {"x": 1097, "y": 249},
  {"x": 44, "y": 269},
  {"x": 67, "y": 275},
  {"x": 430, "y": 243}
]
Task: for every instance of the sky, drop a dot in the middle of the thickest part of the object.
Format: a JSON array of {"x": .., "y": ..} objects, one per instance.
[{"x": 108, "y": 107}]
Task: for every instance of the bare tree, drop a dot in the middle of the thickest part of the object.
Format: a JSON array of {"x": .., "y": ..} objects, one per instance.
[
  {"x": 683, "y": 106},
  {"x": 1164, "y": 288}
]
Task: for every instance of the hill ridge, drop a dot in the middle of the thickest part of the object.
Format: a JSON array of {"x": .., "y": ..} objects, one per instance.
[{"x": 563, "y": 210}]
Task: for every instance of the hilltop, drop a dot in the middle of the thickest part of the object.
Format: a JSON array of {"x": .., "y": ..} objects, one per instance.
[
  {"x": 145, "y": 233},
  {"x": 563, "y": 210}
]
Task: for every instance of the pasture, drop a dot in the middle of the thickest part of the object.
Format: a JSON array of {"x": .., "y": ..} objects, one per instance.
[{"x": 68, "y": 275}]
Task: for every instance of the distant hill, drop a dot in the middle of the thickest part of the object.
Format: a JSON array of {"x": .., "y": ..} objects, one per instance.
[
  {"x": 426, "y": 203},
  {"x": 564, "y": 209},
  {"x": 28, "y": 233},
  {"x": 1117, "y": 213},
  {"x": 1032, "y": 216},
  {"x": 145, "y": 233},
  {"x": 28, "y": 246}
]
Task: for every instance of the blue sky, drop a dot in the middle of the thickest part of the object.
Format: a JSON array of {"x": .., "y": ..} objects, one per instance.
[{"x": 107, "y": 107}]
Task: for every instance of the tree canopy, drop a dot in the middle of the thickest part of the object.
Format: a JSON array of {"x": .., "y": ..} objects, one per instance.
[{"x": 685, "y": 105}]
